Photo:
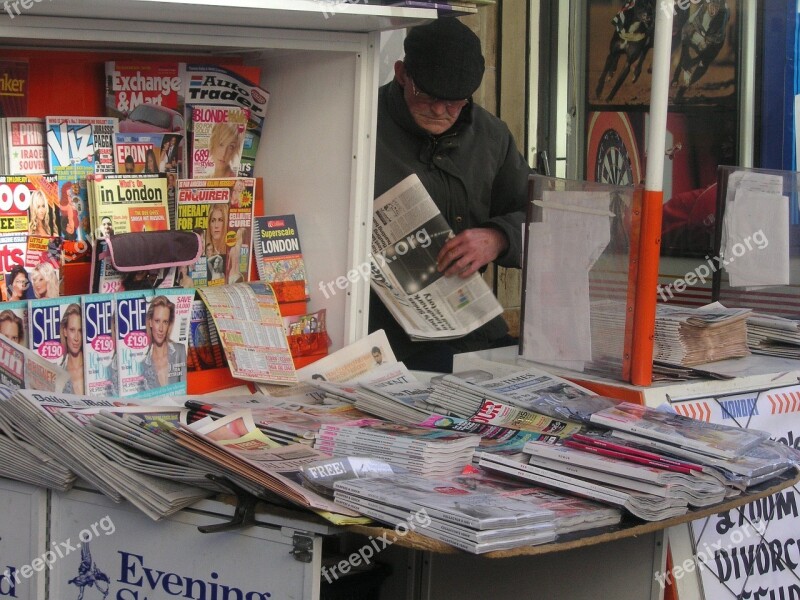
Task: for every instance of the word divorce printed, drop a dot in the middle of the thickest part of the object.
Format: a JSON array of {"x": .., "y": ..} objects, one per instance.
[{"x": 709, "y": 553}]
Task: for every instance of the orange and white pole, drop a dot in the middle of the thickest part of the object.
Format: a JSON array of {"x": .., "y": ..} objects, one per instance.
[{"x": 652, "y": 203}]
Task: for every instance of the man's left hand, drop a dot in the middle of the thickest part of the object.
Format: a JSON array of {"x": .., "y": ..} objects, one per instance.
[{"x": 471, "y": 249}]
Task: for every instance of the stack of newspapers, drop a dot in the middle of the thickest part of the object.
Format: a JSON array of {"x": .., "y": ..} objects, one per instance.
[
  {"x": 398, "y": 402},
  {"x": 448, "y": 511},
  {"x": 693, "y": 336},
  {"x": 532, "y": 390},
  {"x": 420, "y": 450},
  {"x": 774, "y": 336},
  {"x": 58, "y": 425},
  {"x": 24, "y": 461}
]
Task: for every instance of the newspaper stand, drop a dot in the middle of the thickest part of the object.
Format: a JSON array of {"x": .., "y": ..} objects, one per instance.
[
  {"x": 22, "y": 539},
  {"x": 134, "y": 557}
]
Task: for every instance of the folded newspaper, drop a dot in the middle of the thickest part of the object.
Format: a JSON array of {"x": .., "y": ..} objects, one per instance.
[{"x": 407, "y": 233}]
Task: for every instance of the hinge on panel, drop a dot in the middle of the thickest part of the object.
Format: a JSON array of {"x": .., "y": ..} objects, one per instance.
[{"x": 302, "y": 547}]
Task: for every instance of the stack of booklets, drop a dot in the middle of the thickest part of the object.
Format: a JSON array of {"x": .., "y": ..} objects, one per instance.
[
  {"x": 419, "y": 450},
  {"x": 55, "y": 423},
  {"x": 532, "y": 389},
  {"x": 450, "y": 512},
  {"x": 647, "y": 507},
  {"x": 744, "y": 457},
  {"x": 694, "y": 336},
  {"x": 764, "y": 461},
  {"x": 570, "y": 512},
  {"x": 23, "y": 461},
  {"x": 610, "y": 464},
  {"x": 774, "y": 336},
  {"x": 720, "y": 441}
]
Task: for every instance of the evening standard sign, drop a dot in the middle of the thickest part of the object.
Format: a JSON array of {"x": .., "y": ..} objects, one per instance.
[
  {"x": 251, "y": 564},
  {"x": 766, "y": 565}
]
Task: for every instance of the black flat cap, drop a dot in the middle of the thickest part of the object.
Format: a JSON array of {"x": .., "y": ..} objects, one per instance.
[{"x": 444, "y": 59}]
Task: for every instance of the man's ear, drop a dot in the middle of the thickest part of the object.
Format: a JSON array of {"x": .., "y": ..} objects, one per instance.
[{"x": 400, "y": 72}]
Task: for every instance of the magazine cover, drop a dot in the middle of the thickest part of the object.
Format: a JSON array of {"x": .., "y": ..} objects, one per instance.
[
  {"x": 131, "y": 341},
  {"x": 126, "y": 203},
  {"x": 26, "y": 212},
  {"x": 147, "y": 152},
  {"x": 133, "y": 83},
  {"x": 14, "y": 321},
  {"x": 99, "y": 346},
  {"x": 56, "y": 334},
  {"x": 163, "y": 365},
  {"x": 25, "y": 145},
  {"x": 223, "y": 210},
  {"x": 216, "y": 85},
  {"x": 218, "y": 134},
  {"x": 14, "y": 94},
  {"x": 279, "y": 258},
  {"x": 72, "y": 156}
]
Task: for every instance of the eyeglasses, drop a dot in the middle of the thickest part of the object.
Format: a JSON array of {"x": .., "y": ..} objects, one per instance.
[{"x": 427, "y": 99}]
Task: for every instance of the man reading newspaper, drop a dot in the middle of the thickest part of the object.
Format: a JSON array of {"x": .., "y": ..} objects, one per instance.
[{"x": 468, "y": 162}]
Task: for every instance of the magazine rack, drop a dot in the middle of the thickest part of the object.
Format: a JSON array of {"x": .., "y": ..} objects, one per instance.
[
  {"x": 582, "y": 266},
  {"x": 318, "y": 60}
]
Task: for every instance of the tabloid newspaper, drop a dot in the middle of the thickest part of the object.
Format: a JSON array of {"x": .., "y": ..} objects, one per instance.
[
  {"x": 250, "y": 327},
  {"x": 223, "y": 210},
  {"x": 22, "y": 368},
  {"x": 407, "y": 233}
]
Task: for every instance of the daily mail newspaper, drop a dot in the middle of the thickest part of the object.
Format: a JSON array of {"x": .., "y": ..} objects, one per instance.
[{"x": 407, "y": 233}]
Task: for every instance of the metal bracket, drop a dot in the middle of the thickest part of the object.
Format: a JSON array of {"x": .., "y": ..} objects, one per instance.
[{"x": 302, "y": 547}]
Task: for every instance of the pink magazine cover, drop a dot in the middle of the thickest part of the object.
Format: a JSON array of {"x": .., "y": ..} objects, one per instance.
[
  {"x": 131, "y": 340},
  {"x": 99, "y": 345},
  {"x": 56, "y": 334}
]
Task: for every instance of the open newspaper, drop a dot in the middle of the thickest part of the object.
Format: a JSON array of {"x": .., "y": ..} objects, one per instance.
[{"x": 407, "y": 233}]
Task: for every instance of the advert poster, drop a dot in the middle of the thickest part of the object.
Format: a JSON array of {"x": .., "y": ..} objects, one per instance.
[{"x": 702, "y": 126}]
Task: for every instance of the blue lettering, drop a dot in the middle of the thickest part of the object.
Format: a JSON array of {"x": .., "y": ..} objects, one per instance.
[
  {"x": 8, "y": 583},
  {"x": 45, "y": 324},
  {"x": 127, "y": 568}
]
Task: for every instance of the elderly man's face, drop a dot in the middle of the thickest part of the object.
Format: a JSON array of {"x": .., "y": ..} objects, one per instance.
[{"x": 434, "y": 117}]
